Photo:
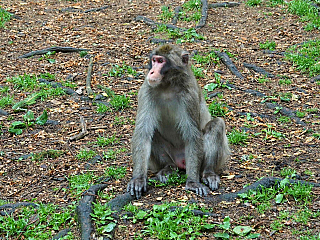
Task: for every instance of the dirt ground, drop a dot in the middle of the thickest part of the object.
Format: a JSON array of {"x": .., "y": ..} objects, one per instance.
[{"x": 114, "y": 37}]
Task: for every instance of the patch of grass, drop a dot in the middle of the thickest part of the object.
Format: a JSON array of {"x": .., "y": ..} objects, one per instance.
[
  {"x": 102, "y": 108},
  {"x": 86, "y": 154},
  {"x": 285, "y": 191},
  {"x": 106, "y": 141},
  {"x": 284, "y": 119},
  {"x": 237, "y": 137},
  {"x": 306, "y": 57},
  {"x": 192, "y": 5},
  {"x": 166, "y": 14},
  {"x": 307, "y": 12},
  {"x": 263, "y": 80},
  {"x": 7, "y": 100},
  {"x": 300, "y": 114},
  {"x": 285, "y": 82},
  {"x": 119, "y": 102},
  {"x": 36, "y": 223},
  {"x": 83, "y": 53},
  {"x": 120, "y": 70},
  {"x": 268, "y": 45},
  {"x": 176, "y": 178},
  {"x": 288, "y": 172},
  {"x": 197, "y": 71},
  {"x": 4, "y": 17},
  {"x": 253, "y": 3},
  {"x": 81, "y": 182},
  {"x": 207, "y": 58},
  {"x": 273, "y": 3},
  {"x": 190, "y": 35},
  {"x": 116, "y": 172},
  {"x": 218, "y": 109}
]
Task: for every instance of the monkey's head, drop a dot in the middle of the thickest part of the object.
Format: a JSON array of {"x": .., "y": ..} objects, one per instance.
[{"x": 166, "y": 61}]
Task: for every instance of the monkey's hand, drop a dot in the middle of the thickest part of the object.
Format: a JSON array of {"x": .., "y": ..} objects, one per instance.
[
  {"x": 197, "y": 187},
  {"x": 137, "y": 185},
  {"x": 164, "y": 174},
  {"x": 211, "y": 179}
]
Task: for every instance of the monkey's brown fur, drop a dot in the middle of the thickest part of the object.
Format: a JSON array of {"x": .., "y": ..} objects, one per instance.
[{"x": 174, "y": 128}]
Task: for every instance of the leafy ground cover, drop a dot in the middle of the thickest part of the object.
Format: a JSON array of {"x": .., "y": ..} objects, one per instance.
[{"x": 272, "y": 121}]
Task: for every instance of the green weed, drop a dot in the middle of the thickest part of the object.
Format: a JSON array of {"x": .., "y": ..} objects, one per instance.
[
  {"x": 268, "y": 45},
  {"x": 237, "y": 137},
  {"x": 217, "y": 109},
  {"x": 4, "y": 17},
  {"x": 166, "y": 14},
  {"x": 116, "y": 172},
  {"x": 252, "y": 3},
  {"x": 85, "y": 154},
  {"x": 103, "y": 219},
  {"x": 80, "y": 183}
]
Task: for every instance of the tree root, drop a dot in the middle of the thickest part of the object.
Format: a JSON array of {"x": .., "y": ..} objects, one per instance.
[
  {"x": 53, "y": 49},
  {"x": 258, "y": 70},
  {"x": 204, "y": 14},
  {"x": 227, "y": 61},
  {"x": 11, "y": 207},
  {"x": 88, "y": 80},
  {"x": 84, "y": 210},
  {"x": 224, "y": 4}
]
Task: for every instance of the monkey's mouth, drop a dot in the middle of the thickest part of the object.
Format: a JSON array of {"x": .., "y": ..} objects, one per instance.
[{"x": 153, "y": 82}]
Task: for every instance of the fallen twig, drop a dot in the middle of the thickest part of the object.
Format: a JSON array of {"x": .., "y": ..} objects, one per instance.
[
  {"x": 83, "y": 132},
  {"x": 227, "y": 61},
  {"x": 204, "y": 14},
  {"x": 224, "y": 4},
  {"x": 9, "y": 208},
  {"x": 53, "y": 49},
  {"x": 88, "y": 80},
  {"x": 258, "y": 70}
]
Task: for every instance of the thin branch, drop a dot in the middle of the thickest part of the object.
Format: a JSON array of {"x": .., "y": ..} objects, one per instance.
[
  {"x": 96, "y": 9},
  {"x": 258, "y": 70},
  {"x": 83, "y": 133},
  {"x": 224, "y": 4},
  {"x": 88, "y": 80}
]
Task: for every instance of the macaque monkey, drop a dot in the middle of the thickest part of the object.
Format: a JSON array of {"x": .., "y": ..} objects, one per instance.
[{"x": 174, "y": 129}]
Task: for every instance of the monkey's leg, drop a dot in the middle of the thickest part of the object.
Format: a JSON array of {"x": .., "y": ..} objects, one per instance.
[{"x": 216, "y": 152}]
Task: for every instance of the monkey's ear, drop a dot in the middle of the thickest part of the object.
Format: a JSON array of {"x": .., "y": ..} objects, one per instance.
[{"x": 185, "y": 57}]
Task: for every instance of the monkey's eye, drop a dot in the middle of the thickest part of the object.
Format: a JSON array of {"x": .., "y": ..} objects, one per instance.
[
  {"x": 153, "y": 59},
  {"x": 160, "y": 60}
]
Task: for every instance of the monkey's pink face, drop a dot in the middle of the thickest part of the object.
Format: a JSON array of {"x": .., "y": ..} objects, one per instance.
[{"x": 154, "y": 76}]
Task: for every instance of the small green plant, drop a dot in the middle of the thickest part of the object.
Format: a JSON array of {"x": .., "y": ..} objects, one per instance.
[
  {"x": 119, "y": 102},
  {"x": 103, "y": 219},
  {"x": 263, "y": 80},
  {"x": 192, "y": 5},
  {"x": 166, "y": 14},
  {"x": 300, "y": 114},
  {"x": 285, "y": 82},
  {"x": 102, "y": 108},
  {"x": 120, "y": 70},
  {"x": 273, "y": 3},
  {"x": 312, "y": 110},
  {"x": 284, "y": 119},
  {"x": 207, "y": 58},
  {"x": 268, "y": 45},
  {"x": 217, "y": 109},
  {"x": 110, "y": 154},
  {"x": 252, "y": 3},
  {"x": 83, "y": 53},
  {"x": 47, "y": 55},
  {"x": 198, "y": 71},
  {"x": 106, "y": 141},
  {"x": 271, "y": 133},
  {"x": 237, "y": 137},
  {"x": 17, "y": 127},
  {"x": 116, "y": 173},
  {"x": 316, "y": 135},
  {"x": 288, "y": 172},
  {"x": 6, "y": 101},
  {"x": 86, "y": 154},
  {"x": 4, "y": 17},
  {"x": 51, "y": 153}
]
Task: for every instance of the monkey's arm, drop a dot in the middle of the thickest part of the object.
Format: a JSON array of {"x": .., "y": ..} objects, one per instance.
[{"x": 141, "y": 145}]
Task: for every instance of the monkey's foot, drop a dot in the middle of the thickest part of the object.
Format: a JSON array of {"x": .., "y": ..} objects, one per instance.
[
  {"x": 211, "y": 179},
  {"x": 164, "y": 174},
  {"x": 198, "y": 188},
  {"x": 137, "y": 185}
]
